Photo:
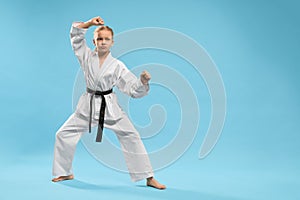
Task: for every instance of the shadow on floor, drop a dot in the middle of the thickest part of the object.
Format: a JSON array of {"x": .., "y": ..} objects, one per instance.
[{"x": 144, "y": 191}]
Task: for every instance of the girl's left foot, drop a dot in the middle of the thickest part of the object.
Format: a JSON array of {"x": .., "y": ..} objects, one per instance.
[
  {"x": 154, "y": 183},
  {"x": 63, "y": 178}
]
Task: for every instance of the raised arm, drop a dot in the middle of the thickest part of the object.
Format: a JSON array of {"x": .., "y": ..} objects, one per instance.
[
  {"x": 96, "y": 21},
  {"x": 78, "y": 41}
]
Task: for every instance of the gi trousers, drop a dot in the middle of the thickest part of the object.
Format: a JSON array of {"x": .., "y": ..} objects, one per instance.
[{"x": 69, "y": 134}]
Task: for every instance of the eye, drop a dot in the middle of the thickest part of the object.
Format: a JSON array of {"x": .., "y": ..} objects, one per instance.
[{"x": 99, "y": 39}]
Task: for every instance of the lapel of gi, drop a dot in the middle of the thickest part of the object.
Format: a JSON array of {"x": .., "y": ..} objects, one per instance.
[{"x": 105, "y": 65}]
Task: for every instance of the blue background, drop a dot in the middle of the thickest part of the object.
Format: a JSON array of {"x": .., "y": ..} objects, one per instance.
[{"x": 256, "y": 46}]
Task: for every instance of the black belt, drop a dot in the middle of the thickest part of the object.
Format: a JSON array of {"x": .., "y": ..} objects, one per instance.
[{"x": 102, "y": 111}]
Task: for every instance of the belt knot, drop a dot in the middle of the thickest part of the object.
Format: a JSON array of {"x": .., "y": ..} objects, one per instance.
[{"x": 102, "y": 111}]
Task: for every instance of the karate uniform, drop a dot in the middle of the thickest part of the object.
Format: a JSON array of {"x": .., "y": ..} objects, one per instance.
[{"x": 112, "y": 73}]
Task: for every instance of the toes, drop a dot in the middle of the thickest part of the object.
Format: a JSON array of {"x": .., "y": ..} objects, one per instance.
[
  {"x": 56, "y": 180},
  {"x": 160, "y": 187},
  {"x": 62, "y": 178},
  {"x": 156, "y": 185}
]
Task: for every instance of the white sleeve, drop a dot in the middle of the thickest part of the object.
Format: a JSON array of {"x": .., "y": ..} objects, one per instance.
[
  {"x": 79, "y": 45},
  {"x": 129, "y": 84}
]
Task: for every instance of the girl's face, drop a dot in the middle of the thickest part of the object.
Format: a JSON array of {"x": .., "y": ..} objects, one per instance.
[{"x": 103, "y": 40}]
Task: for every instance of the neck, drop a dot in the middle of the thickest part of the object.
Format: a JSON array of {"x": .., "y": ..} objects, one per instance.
[{"x": 102, "y": 55}]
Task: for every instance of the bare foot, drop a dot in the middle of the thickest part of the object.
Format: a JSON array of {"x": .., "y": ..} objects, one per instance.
[
  {"x": 63, "y": 178},
  {"x": 154, "y": 183}
]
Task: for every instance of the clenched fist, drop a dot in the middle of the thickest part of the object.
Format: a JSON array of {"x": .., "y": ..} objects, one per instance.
[
  {"x": 96, "y": 21},
  {"x": 145, "y": 77}
]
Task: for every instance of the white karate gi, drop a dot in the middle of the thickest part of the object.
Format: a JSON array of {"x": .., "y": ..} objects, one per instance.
[{"x": 112, "y": 73}]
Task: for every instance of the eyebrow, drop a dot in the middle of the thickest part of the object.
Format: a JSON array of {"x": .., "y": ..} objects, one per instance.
[{"x": 99, "y": 38}]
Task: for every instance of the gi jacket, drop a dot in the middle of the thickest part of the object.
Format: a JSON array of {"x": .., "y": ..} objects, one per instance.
[{"x": 112, "y": 73}]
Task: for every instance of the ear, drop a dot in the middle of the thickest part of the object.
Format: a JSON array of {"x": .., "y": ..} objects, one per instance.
[{"x": 94, "y": 42}]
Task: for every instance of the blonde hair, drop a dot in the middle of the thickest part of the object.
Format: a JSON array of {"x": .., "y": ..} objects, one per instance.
[{"x": 101, "y": 28}]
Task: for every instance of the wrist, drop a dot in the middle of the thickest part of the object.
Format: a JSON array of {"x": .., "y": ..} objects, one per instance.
[
  {"x": 88, "y": 24},
  {"x": 144, "y": 82}
]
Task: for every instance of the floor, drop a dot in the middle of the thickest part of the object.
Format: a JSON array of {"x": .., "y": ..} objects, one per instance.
[{"x": 29, "y": 178}]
